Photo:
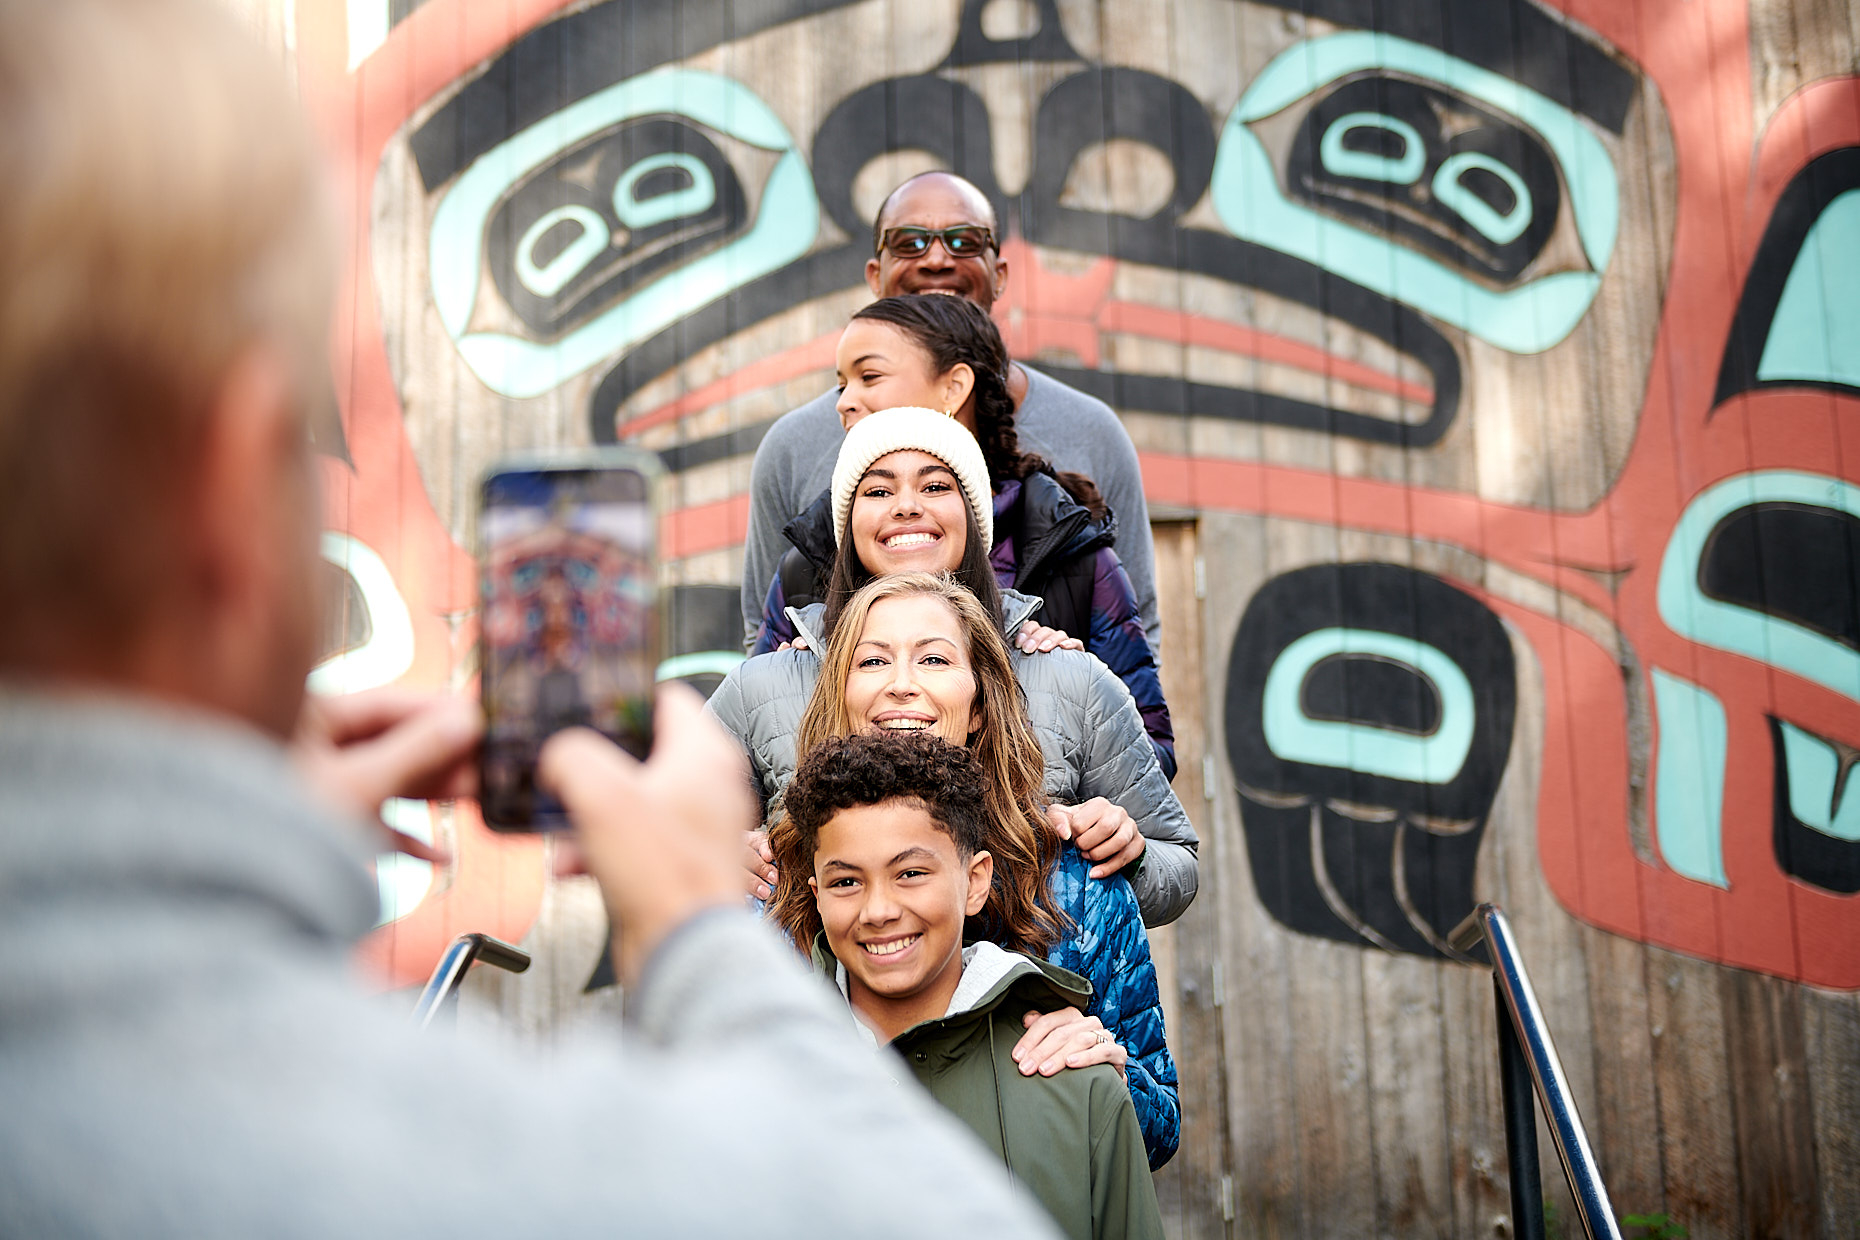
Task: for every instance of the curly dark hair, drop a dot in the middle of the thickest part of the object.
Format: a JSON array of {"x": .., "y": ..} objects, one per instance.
[
  {"x": 946, "y": 781},
  {"x": 954, "y": 330},
  {"x": 870, "y": 768}
]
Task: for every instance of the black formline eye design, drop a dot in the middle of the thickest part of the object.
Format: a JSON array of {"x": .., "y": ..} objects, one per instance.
[
  {"x": 1481, "y": 193},
  {"x": 605, "y": 216},
  {"x": 1734, "y": 576},
  {"x": 1794, "y": 561},
  {"x": 552, "y": 239},
  {"x": 1450, "y": 186}
]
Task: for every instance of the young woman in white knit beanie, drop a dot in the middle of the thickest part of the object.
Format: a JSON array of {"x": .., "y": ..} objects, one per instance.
[{"x": 910, "y": 494}]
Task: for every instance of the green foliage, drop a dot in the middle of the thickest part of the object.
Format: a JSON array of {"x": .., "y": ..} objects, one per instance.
[{"x": 1659, "y": 1226}]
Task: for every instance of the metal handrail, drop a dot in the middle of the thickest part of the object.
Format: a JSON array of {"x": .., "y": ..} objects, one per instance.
[
  {"x": 455, "y": 963},
  {"x": 1528, "y": 1058}
]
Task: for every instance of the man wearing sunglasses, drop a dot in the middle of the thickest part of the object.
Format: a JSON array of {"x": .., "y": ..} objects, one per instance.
[{"x": 937, "y": 233}]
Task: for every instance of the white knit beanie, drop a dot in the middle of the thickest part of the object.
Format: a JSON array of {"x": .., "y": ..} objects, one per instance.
[{"x": 922, "y": 430}]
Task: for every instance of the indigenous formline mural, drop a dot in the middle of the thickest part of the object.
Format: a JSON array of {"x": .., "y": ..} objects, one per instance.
[
  {"x": 1368, "y": 724},
  {"x": 1564, "y": 299}
]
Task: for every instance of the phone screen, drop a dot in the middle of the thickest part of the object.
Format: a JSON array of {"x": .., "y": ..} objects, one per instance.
[{"x": 569, "y": 623}]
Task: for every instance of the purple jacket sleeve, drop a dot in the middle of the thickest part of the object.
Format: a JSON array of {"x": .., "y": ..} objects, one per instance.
[
  {"x": 776, "y": 627},
  {"x": 1118, "y": 639}
]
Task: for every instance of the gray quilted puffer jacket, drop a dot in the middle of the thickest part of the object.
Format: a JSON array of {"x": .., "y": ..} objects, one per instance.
[{"x": 1089, "y": 730}]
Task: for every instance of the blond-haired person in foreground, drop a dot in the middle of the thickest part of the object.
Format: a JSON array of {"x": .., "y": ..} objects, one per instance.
[{"x": 183, "y": 1048}]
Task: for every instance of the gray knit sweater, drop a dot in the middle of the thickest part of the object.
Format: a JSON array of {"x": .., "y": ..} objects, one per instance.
[
  {"x": 184, "y": 1052},
  {"x": 794, "y": 464}
]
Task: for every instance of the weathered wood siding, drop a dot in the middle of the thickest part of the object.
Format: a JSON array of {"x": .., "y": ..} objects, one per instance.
[{"x": 1495, "y": 370}]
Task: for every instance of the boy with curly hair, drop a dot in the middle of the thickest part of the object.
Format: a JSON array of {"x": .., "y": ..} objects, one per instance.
[{"x": 894, "y": 824}]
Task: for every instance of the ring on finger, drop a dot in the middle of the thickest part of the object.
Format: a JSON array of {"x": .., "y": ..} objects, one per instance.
[{"x": 1101, "y": 1038}]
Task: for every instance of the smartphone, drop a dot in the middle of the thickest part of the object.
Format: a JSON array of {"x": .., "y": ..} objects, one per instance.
[{"x": 569, "y": 625}]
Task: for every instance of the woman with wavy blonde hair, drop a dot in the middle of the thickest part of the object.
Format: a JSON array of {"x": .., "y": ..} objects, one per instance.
[{"x": 917, "y": 652}]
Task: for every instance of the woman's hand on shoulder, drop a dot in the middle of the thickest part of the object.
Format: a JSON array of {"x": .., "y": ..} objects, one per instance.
[
  {"x": 1102, "y": 830},
  {"x": 1038, "y": 639},
  {"x": 1064, "y": 1039},
  {"x": 759, "y": 864}
]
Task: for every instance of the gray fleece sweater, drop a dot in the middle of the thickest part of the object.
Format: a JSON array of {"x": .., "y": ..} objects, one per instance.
[
  {"x": 184, "y": 1052},
  {"x": 794, "y": 464}
]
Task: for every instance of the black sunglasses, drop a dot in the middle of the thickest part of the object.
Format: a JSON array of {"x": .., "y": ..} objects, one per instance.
[{"x": 960, "y": 241}]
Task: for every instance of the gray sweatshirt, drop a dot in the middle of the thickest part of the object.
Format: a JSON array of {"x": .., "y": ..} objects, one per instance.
[
  {"x": 794, "y": 464},
  {"x": 185, "y": 1052}
]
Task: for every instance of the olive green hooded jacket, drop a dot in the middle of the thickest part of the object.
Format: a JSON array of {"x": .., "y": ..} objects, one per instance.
[{"x": 1071, "y": 1139}]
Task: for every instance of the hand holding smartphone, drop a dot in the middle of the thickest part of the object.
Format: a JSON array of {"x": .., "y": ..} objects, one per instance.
[{"x": 568, "y": 614}]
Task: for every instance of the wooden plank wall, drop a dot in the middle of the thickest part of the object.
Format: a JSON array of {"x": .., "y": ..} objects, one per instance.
[
  {"x": 1342, "y": 1070},
  {"x": 1503, "y": 345}
]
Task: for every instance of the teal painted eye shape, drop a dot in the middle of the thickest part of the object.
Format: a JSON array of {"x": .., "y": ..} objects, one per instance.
[
  {"x": 640, "y": 203},
  {"x": 1452, "y": 189},
  {"x": 1345, "y": 154},
  {"x": 1469, "y": 188},
  {"x": 611, "y": 219},
  {"x": 570, "y": 237},
  {"x": 379, "y": 648},
  {"x": 603, "y": 216},
  {"x": 1451, "y": 234}
]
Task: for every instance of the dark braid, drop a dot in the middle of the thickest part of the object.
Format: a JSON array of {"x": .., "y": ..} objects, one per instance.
[{"x": 954, "y": 330}]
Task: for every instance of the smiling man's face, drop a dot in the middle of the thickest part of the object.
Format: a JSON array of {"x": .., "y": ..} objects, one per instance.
[
  {"x": 893, "y": 891},
  {"x": 937, "y": 201}
]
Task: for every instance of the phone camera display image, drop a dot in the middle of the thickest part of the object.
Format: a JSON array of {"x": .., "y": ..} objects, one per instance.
[{"x": 569, "y": 621}]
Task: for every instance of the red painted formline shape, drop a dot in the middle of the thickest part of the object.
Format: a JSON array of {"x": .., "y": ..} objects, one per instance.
[
  {"x": 816, "y": 354},
  {"x": 1523, "y": 536},
  {"x": 704, "y": 527},
  {"x": 1543, "y": 544}
]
